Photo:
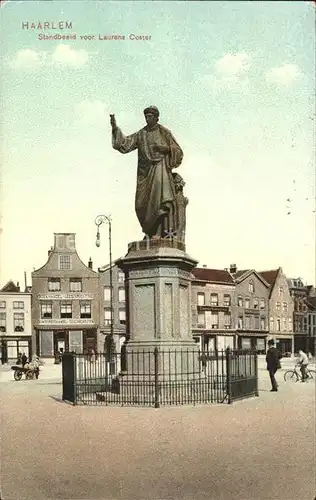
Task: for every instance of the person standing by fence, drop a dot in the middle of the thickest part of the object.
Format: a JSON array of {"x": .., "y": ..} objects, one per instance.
[{"x": 273, "y": 363}]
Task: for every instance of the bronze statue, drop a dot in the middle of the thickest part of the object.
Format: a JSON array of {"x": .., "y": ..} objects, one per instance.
[{"x": 159, "y": 201}]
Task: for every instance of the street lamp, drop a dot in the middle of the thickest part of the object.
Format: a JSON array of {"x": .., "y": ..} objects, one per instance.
[{"x": 99, "y": 220}]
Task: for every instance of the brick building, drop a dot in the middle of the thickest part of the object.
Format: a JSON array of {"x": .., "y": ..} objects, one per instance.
[
  {"x": 65, "y": 301},
  {"x": 281, "y": 307},
  {"x": 251, "y": 309},
  {"x": 15, "y": 322},
  {"x": 213, "y": 295}
]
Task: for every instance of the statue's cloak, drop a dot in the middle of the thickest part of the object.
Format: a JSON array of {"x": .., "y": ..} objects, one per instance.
[{"x": 155, "y": 191}]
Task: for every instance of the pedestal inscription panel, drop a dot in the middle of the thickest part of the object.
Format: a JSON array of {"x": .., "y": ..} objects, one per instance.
[{"x": 144, "y": 311}]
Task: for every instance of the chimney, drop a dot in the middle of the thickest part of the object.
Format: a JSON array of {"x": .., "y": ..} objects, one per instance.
[
  {"x": 90, "y": 263},
  {"x": 50, "y": 251},
  {"x": 18, "y": 286},
  {"x": 25, "y": 281},
  {"x": 233, "y": 269}
]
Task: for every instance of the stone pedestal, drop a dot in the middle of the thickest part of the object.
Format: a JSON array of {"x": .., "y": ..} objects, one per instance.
[{"x": 158, "y": 294}]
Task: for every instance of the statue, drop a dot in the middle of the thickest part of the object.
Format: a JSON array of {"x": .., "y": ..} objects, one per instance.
[{"x": 159, "y": 201}]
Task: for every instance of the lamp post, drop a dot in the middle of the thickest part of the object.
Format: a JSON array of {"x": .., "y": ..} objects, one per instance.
[{"x": 99, "y": 220}]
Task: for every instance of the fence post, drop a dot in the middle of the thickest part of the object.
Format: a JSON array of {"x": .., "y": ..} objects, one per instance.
[
  {"x": 256, "y": 373},
  {"x": 156, "y": 364},
  {"x": 229, "y": 375}
]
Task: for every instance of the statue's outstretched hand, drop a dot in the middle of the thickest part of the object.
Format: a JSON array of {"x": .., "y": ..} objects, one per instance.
[{"x": 113, "y": 122}]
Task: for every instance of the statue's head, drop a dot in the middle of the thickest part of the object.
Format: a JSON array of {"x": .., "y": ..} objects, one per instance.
[{"x": 151, "y": 115}]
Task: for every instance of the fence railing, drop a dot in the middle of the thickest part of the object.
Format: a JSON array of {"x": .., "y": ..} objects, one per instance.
[{"x": 160, "y": 377}]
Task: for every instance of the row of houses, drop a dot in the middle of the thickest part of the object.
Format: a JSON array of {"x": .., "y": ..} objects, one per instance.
[{"x": 70, "y": 306}]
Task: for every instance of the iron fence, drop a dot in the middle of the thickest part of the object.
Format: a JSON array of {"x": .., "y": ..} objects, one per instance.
[{"x": 160, "y": 377}]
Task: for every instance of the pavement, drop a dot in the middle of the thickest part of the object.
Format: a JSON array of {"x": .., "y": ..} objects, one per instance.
[{"x": 256, "y": 449}]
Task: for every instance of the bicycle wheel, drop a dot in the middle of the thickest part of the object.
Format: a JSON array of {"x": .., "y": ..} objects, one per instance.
[
  {"x": 311, "y": 374},
  {"x": 17, "y": 375},
  {"x": 290, "y": 376}
]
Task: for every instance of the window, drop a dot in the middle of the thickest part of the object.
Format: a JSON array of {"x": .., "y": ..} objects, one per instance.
[
  {"x": 227, "y": 320},
  {"x": 201, "y": 320},
  {"x": 107, "y": 317},
  {"x": 54, "y": 284},
  {"x": 255, "y": 303},
  {"x": 284, "y": 324},
  {"x": 75, "y": 285},
  {"x": 271, "y": 324},
  {"x": 201, "y": 299},
  {"x": 66, "y": 310},
  {"x": 256, "y": 322},
  {"x": 262, "y": 303},
  {"x": 247, "y": 322},
  {"x": 285, "y": 307},
  {"x": 122, "y": 316},
  {"x": 251, "y": 287},
  {"x": 214, "y": 320},
  {"x": 85, "y": 309},
  {"x": 121, "y": 295},
  {"x": 121, "y": 277},
  {"x": 214, "y": 299},
  {"x": 278, "y": 325},
  {"x": 107, "y": 293},
  {"x": 227, "y": 300},
  {"x": 64, "y": 262},
  {"x": 18, "y": 321},
  {"x": 240, "y": 323},
  {"x": 278, "y": 306},
  {"x": 18, "y": 305},
  {"x": 46, "y": 310},
  {"x": 240, "y": 302},
  {"x": 2, "y": 304},
  {"x": 247, "y": 303},
  {"x": 262, "y": 323},
  {"x": 3, "y": 322},
  {"x": 281, "y": 291}
]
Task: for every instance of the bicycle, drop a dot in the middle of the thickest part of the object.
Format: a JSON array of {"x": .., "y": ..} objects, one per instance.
[{"x": 295, "y": 375}]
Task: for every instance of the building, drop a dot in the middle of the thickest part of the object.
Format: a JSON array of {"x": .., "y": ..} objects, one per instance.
[
  {"x": 65, "y": 301},
  {"x": 251, "y": 309},
  {"x": 281, "y": 307},
  {"x": 118, "y": 303},
  {"x": 299, "y": 293},
  {"x": 15, "y": 322},
  {"x": 213, "y": 296},
  {"x": 311, "y": 323}
]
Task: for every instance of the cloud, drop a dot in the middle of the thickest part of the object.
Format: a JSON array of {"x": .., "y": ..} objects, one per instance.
[
  {"x": 283, "y": 75},
  {"x": 232, "y": 65},
  {"x": 63, "y": 55},
  {"x": 90, "y": 112},
  {"x": 27, "y": 58},
  {"x": 66, "y": 56}
]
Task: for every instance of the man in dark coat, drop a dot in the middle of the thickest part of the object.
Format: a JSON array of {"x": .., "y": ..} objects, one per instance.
[
  {"x": 273, "y": 363},
  {"x": 24, "y": 359}
]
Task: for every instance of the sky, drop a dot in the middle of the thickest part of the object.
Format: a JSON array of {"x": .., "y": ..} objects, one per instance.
[{"x": 234, "y": 82}]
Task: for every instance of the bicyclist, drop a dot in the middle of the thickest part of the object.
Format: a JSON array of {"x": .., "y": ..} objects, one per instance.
[{"x": 303, "y": 362}]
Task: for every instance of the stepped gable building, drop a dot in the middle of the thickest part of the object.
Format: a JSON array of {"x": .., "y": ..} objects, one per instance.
[
  {"x": 15, "y": 322},
  {"x": 65, "y": 301},
  {"x": 213, "y": 297},
  {"x": 280, "y": 310},
  {"x": 251, "y": 309}
]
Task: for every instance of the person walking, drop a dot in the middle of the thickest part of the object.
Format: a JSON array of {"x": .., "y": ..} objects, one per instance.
[
  {"x": 303, "y": 362},
  {"x": 273, "y": 363}
]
